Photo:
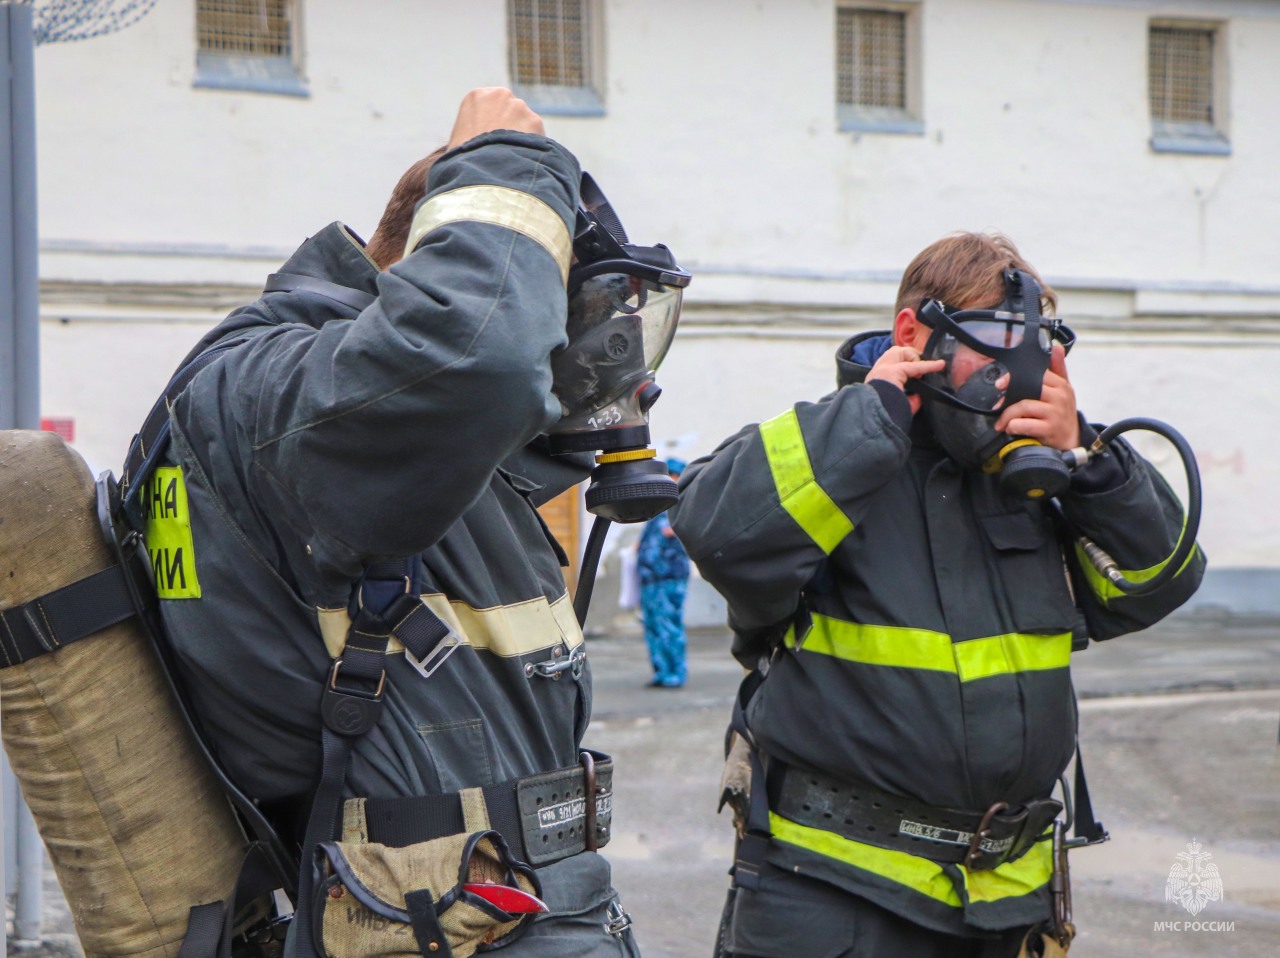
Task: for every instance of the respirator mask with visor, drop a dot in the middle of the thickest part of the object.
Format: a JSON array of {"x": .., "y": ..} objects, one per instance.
[
  {"x": 624, "y": 305},
  {"x": 994, "y": 358}
]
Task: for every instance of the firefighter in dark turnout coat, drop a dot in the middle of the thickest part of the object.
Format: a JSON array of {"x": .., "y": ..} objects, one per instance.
[
  {"x": 914, "y": 629},
  {"x": 399, "y": 419}
]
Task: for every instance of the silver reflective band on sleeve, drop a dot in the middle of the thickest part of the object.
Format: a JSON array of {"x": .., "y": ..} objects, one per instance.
[{"x": 501, "y": 206}]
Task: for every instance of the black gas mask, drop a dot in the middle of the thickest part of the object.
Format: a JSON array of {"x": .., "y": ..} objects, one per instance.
[
  {"x": 624, "y": 306},
  {"x": 981, "y": 347}
]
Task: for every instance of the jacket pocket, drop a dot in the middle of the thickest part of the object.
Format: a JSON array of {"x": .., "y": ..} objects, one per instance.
[
  {"x": 1032, "y": 571},
  {"x": 460, "y": 752},
  {"x": 373, "y": 901}
]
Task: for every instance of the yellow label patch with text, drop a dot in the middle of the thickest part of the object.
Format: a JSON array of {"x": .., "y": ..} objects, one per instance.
[{"x": 173, "y": 556}]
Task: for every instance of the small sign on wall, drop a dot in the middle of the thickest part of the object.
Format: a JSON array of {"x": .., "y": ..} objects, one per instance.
[{"x": 64, "y": 426}]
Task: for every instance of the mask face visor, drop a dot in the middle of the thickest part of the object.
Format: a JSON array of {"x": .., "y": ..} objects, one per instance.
[
  {"x": 620, "y": 327},
  {"x": 980, "y": 348}
]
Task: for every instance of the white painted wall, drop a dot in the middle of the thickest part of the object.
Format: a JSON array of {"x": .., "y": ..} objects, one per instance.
[{"x": 721, "y": 140}]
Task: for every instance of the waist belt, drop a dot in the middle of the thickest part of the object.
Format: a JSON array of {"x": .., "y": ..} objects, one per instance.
[
  {"x": 861, "y": 813},
  {"x": 544, "y": 818}
]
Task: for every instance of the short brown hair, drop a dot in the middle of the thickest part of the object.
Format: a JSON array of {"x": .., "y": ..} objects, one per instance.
[
  {"x": 963, "y": 270},
  {"x": 386, "y": 245}
]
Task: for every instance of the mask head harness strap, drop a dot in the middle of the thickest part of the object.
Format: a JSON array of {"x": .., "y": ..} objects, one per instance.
[
  {"x": 1026, "y": 361},
  {"x": 600, "y": 245}
]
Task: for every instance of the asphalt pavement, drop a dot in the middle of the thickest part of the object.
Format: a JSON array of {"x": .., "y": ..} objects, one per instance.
[{"x": 1179, "y": 733}]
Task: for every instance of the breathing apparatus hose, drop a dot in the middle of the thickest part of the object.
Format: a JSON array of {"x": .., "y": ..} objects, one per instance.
[
  {"x": 1186, "y": 540},
  {"x": 590, "y": 561}
]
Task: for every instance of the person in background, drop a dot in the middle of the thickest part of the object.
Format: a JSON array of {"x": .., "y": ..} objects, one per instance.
[{"x": 664, "y": 579}]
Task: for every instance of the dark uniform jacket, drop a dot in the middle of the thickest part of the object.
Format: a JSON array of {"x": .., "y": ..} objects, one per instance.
[
  {"x": 925, "y": 622},
  {"x": 329, "y": 439}
]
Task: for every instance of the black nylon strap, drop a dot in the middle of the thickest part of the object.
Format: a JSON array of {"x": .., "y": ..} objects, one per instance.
[
  {"x": 1086, "y": 826},
  {"x": 289, "y": 282},
  {"x": 211, "y": 927},
  {"x": 420, "y": 631},
  {"x": 431, "y": 938},
  {"x": 356, "y": 678},
  {"x": 204, "y": 931},
  {"x": 66, "y": 615}
]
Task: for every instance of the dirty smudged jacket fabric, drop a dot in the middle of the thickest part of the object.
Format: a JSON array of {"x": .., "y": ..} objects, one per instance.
[{"x": 926, "y": 622}]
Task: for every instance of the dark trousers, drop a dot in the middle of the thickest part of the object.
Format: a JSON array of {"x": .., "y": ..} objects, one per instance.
[{"x": 794, "y": 917}]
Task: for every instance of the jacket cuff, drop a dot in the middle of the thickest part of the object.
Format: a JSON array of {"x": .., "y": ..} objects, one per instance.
[
  {"x": 1102, "y": 473},
  {"x": 895, "y": 403}
]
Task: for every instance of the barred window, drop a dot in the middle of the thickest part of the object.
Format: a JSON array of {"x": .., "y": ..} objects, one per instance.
[
  {"x": 246, "y": 28},
  {"x": 871, "y": 66},
  {"x": 875, "y": 50},
  {"x": 554, "y": 54},
  {"x": 1184, "y": 86},
  {"x": 248, "y": 45}
]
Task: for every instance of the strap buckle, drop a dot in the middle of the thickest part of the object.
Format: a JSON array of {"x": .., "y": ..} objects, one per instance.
[
  {"x": 429, "y": 663},
  {"x": 983, "y": 831},
  {"x": 351, "y": 711},
  {"x": 617, "y": 920},
  {"x": 408, "y": 588},
  {"x": 589, "y": 837}
]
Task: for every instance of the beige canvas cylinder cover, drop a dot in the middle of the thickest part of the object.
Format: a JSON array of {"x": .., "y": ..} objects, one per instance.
[{"x": 136, "y": 824}]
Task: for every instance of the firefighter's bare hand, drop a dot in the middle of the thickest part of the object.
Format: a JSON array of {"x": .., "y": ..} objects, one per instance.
[
  {"x": 1051, "y": 419},
  {"x": 492, "y": 108},
  {"x": 899, "y": 364}
]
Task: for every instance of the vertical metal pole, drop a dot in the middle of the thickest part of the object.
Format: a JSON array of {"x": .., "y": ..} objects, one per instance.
[
  {"x": 26, "y": 271},
  {"x": 8, "y": 184},
  {"x": 20, "y": 344},
  {"x": 10, "y": 830},
  {"x": 8, "y": 349}
]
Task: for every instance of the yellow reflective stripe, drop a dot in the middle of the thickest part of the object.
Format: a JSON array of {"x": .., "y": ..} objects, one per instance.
[
  {"x": 917, "y": 873},
  {"x": 1005, "y": 654},
  {"x": 1011, "y": 880},
  {"x": 904, "y": 648},
  {"x": 505, "y": 630},
  {"x": 798, "y": 491},
  {"x": 501, "y": 206},
  {"x": 878, "y": 644},
  {"x": 1106, "y": 590}
]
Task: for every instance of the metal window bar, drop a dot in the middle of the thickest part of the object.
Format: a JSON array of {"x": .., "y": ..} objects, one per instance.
[
  {"x": 871, "y": 59},
  {"x": 549, "y": 42},
  {"x": 245, "y": 28},
  {"x": 1180, "y": 75}
]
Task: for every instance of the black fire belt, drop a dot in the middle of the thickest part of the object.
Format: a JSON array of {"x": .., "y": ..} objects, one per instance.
[
  {"x": 544, "y": 818},
  {"x": 861, "y": 813}
]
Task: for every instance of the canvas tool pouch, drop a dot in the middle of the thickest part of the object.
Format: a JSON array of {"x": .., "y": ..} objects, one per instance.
[{"x": 374, "y": 901}]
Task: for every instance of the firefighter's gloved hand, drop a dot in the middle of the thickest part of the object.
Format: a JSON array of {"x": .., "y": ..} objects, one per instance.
[{"x": 492, "y": 108}]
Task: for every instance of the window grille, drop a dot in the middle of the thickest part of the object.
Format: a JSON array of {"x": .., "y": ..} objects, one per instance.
[
  {"x": 553, "y": 53},
  {"x": 1181, "y": 75},
  {"x": 1185, "y": 82},
  {"x": 248, "y": 45},
  {"x": 871, "y": 59},
  {"x": 246, "y": 28}
]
